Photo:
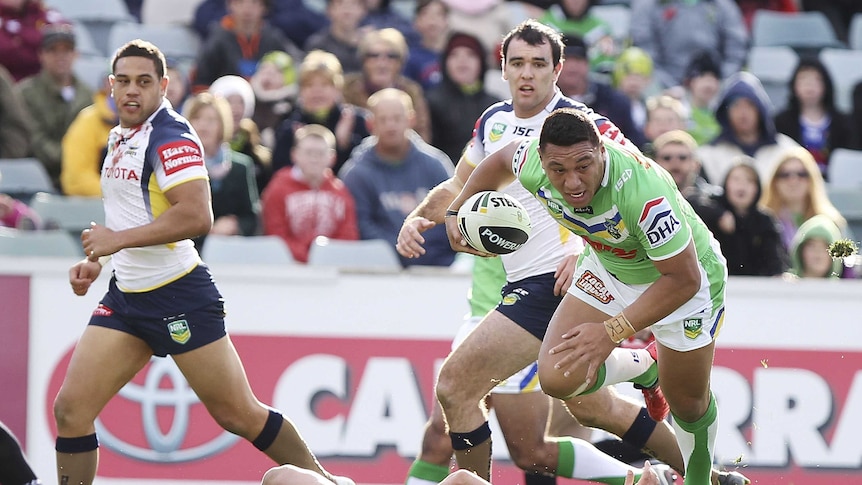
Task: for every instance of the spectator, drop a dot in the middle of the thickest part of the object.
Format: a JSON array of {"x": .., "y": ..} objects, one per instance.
[
  {"x": 16, "y": 214},
  {"x": 390, "y": 173},
  {"x": 381, "y": 15},
  {"x": 319, "y": 102},
  {"x": 342, "y": 35},
  {"x": 235, "y": 201},
  {"x": 235, "y": 46},
  {"x": 461, "y": 97},
  {"x": 246, "y": 135},
  {"x": 811, "y": 117},
  {"x": 743, "y": 112},
  {"x": 489, "y": 20},
  {"x": 292, "y": 17},
  {"x": 575, "y": 82},
  {"x": 701, "y": 85},
  {"x": 306, "y": 200},
  {"x": 633, "y": 77},
  {"x": 676, "y": 152},
  {"x": 573, "y": 17},
  {"x": 53, "y": 97},
  {"x": 664, "y": 113},
  {"x": 672, "y": 31},
  {"x": 809, "y": 250},
  {"x": 795, "y": 192},
  {"x": 383, "y": 53},
  {"x": 275, "y": 88},
  {"x": 84, "y": 145},
  {"x": 749, "y": 236},
  {"x": 178, "y": 87},
  {"x": 14, "y": 129},
  {"x": 749, "y": 7},
  {"x": 423, "y": 61},
  {"x": 21, "y": 22}
]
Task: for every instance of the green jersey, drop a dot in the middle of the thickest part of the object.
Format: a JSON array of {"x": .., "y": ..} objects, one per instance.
[{"x": 635, "y": 217}]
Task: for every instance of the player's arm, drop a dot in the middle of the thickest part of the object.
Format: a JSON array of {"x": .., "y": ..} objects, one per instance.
[{"x": 189, "y": 215}]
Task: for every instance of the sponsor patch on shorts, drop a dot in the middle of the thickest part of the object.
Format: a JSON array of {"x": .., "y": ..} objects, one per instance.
[
  {"x": 180, "y": 154},
  {"x": 102, "y": 311},
  {"x": 593, "y": 286}
]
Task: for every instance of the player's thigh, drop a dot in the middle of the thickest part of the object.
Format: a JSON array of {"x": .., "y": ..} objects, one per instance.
[
  {"x": 103, "y": 361},
  {"x": 492, "y": 352},
  {"x": 523, "y": 418},
  {"x": 570, "y": 313}
]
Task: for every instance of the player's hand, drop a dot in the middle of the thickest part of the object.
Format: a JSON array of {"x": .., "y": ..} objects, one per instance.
[
  {"x": 98, "y": 241},
  {"x": 648, "y": 476},
  {"x": 563, "y": 274},
  {"x": 457, "y": 241},
  {"x": 410, "y": 240},
  {"x": 586, "y": 346},
  {"x": 82, "y": 274}
]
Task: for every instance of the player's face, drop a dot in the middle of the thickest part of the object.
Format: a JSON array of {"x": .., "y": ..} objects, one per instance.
[
  {"x": 531, "y": 74},
  {"x": 136, "y": 89},
  {"x": 576, "y": 171}
]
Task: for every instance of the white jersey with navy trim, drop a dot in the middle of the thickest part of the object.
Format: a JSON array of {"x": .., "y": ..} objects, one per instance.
[
  {"x": 549, "y": 243},
  {"x": 141, "y": 164}
]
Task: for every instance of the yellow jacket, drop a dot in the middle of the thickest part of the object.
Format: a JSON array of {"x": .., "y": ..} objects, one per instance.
[{"x": 84, "y": 148}]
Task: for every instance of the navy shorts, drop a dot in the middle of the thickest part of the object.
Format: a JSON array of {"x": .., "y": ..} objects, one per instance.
[
  {"x": 531, "y": 303},
  {"x": 181, "y": 316}
]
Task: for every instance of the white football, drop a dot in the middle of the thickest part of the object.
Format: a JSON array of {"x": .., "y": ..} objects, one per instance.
[{"x": 494, "y": 222}]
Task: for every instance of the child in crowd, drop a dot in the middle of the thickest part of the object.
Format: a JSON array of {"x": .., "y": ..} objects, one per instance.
[
  {"x": 275, "y": 88},
  {"x": 810, "y": 250}
]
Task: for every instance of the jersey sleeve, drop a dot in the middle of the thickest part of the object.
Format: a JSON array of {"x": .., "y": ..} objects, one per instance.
[
  {"x": 524, "y": 166},
  {"x": 177, "y": 157}
]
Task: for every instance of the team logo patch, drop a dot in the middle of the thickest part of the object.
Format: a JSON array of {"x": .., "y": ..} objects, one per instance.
[
  {"x": 593, "y": 286},
  {"x": 659, "y": 222},
  {"x": 178, "y": 155},
  {"x": 555, "y": 208},
  {"x": 692, "y": 327},
  {"x": 497, "y": 130},
  {"x": 102, "y": 311},
  {"x": 180, "y": 331},
  {"x": 510, "y": 299}
]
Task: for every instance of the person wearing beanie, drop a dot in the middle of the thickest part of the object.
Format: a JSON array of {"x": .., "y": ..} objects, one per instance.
[
  {"x": 275, "y": 88},
  {"x": 701, "y": 84},
  {"x": 461, "y": 97},
  {"x": 632, "y": 75},
  {"x": 809, "y": 252},
  {"x": 573, "y": 17}
]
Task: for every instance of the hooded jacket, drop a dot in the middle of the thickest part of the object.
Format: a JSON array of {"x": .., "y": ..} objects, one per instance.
[{"x": 819, "y": 226}]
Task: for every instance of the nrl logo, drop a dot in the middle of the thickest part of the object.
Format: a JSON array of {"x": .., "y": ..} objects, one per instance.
[
  {"x": 180, "y": 331},
  {"x": 497, "y": 131},
  {"x": 692, "y": 327}
]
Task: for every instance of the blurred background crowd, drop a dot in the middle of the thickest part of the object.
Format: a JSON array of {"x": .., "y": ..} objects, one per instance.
[{"x": 334, "y": 118}]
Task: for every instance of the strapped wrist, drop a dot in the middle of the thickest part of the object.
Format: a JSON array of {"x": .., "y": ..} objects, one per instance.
[
  {"x": 451, "y": 213},
  {"x": 619, "y": 328}
]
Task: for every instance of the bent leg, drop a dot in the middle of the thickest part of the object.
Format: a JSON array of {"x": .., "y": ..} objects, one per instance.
[
  {"x": 432, "y": 464},
  {"x": 216, "y": 374},
  {"x": 103, "y": 361}
]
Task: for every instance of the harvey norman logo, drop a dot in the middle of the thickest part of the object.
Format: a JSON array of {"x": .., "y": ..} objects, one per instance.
[{"x": 178, "y": 155}]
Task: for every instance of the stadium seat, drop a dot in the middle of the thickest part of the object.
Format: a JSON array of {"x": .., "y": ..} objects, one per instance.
[
  {"x": 39, "y": 243},
  {"x": 855, "y": 32},
  {"x": 168, "y": 12},
  {"x": 23, "y": 178},
  {"x": 848, "y": 201},
  {"x": 774, "y": 67},
  {"x": 72, "y": 214},
  {"x": 177, "y": 42},
  {"x": 845, "y": 67},
  {"x": 246, "y": 250},
  {"x": 619, "y": 17},
  {"x": 370, "y": 254},
  {"x": 97, "y": 16},
  {"x": 801, "y": 30},
  {"x": 845, "y": 169},
  {"x": 92, "y": 70},
  {"x": 84, "y": 42}
]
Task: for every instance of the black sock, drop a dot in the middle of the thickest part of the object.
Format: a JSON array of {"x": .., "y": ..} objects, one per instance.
[
  {"x": 14, "y": 469},
  {"x": 531, "y": 478}
]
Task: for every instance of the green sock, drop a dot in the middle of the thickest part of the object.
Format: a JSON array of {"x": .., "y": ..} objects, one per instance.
[
  {"x": 592, "y": 464},
  {"x": 422, "y": 472},
  {"x": 696, "y": 442}
]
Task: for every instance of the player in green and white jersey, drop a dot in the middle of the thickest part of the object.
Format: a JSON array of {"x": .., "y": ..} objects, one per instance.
[{"x": 650, "y": 262}]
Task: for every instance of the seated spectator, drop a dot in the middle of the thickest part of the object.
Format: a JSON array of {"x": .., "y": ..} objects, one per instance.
[
  {"x": 390, "y": 173},
  {"x": 749, "y": 7},
  {"x": 809, "y": 250},
  {"x": 84, "y": 146},
  {"x": 672, "y": 31},
  {"x": 235, "y": 46},
  {"x": 423, "y": 61},
  {"x": 306, "y": 200},
  {"x": 632, "y": 75},
  {"x": 246, "y": 135},
  {"x": 461, "y": 97},
  {"x": 573, "y": 17},
  {"x": 811, "y": 117},
  {"x": 53, "y": 97},
  {"x": 575, "y": 82},
  {"x": 381, "y": 15},
  {"x": 743, "y": 112},
  {"x": 275, "y": 88},
  {"x": 21, "y": 22},
  {"x": 235, "y": 200},
  {"x": 178, "y": 87},
  {"x": 489, "y": 20},
  {"x": 676, "y": 152},
  {"x": 292, "y": 17},
  {"x": 701, "y": 85},
  {"x": 341, "y": 37},
  {"x": 664, "y": 113},
  {"x": 383, "y": 53},
  {"x": 14, "y": 128},
  {"x": 749, "y": 236},
  {"x": 16, "y": 214},
  {"x": 319, "y": 102}
]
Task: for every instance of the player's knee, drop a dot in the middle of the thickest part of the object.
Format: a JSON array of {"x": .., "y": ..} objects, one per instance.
[
  {"x": 234, "y": 420},
  {"x": 69, "y": 420},
  {"x": 529, "y": 456},
  {"x": 448, "y": 390},
  {"x": 554, "y": 383}
]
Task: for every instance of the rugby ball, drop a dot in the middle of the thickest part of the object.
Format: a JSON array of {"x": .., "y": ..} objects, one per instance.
[{"x": 494, "y": 222}]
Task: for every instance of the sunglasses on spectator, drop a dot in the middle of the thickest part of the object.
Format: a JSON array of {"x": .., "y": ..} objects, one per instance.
[
  {"x": 393, "y": 56},
  {"x": 786, "y": 175},
  {"x": 679, "y": 156}
]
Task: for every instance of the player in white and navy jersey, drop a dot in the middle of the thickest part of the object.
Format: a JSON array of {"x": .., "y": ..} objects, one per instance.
[{"x": 161, "y": 298}]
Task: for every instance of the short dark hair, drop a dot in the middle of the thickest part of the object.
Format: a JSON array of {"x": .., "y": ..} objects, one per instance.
[
  {"x": 141, "y": 48},
  {"x": 535, "y": 33},
  {"x": 566, "y": 127}
]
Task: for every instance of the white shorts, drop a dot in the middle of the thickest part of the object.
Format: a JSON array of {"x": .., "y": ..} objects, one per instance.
[
  {"x": 693, "y": 325},
  {"x": 524, "y": 381}
]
